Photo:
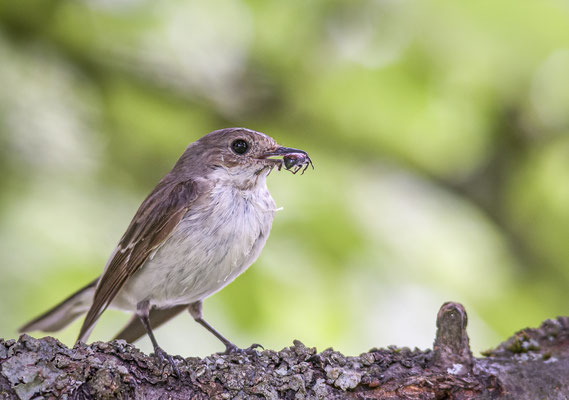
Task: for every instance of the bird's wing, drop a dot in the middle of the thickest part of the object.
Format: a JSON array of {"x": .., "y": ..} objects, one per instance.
[
  {"x": 134, "y": 329},
  {"x": 151, "y": 226}
]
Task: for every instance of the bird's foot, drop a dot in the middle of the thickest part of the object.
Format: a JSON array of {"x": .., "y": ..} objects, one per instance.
[
  {"x": 230, "y": 348},
  {"x": 163, "y": 357},
  {"x": 252, "y": 349}
]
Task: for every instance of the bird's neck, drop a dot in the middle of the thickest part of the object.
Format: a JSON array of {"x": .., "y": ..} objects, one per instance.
[{"x": 241, "y": 180}]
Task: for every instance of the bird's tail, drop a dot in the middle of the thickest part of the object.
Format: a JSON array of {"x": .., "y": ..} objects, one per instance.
[{"x": 64, "y": 313}]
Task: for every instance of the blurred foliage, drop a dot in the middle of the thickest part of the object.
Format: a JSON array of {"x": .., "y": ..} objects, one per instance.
[{"x": 439, "y": 130}]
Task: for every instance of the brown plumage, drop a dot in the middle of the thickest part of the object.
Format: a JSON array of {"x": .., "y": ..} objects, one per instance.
[
  {"x": 203, "y": 225},
  {"x": 153, "y": 223}
]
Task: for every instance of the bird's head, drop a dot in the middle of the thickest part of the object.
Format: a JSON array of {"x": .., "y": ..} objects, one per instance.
[{"x": 242, "y": 156}]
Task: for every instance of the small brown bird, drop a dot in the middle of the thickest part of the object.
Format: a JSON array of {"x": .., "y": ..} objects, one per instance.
[{"x": 202, "y": 226}]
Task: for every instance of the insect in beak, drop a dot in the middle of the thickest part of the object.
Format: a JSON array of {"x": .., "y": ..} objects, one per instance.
[{"x": 293, "y": 160}]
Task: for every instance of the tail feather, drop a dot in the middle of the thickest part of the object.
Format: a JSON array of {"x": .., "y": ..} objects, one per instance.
[
  {"x": 64, "y": 313},
  {"x": 134, "y": 329},
  {"x": 79, "y": 303}
]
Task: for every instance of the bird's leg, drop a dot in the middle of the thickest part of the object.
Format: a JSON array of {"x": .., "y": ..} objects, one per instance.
[
  {"x": 195, "y": 310},
  {"x": 143, "y": 312}
]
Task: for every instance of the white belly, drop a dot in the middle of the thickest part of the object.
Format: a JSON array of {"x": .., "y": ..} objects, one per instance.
[{"x": 212, "y": 245}]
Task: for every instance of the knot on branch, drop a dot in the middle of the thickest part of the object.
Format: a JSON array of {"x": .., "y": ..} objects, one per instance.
[{"x": 452, "y": 346}]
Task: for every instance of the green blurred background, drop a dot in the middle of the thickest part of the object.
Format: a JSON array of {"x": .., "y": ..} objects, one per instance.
[{"x": 439, "y": 131}]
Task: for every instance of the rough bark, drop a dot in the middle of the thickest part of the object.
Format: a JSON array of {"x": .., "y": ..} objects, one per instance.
[{"x": 533, "y": 364}]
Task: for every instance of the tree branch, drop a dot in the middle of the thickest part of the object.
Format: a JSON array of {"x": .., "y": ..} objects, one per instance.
[{"x": 532, "y": 364}]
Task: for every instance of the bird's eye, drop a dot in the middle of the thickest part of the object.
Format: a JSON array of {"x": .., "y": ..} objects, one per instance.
[{"x": 240, "y": 146}]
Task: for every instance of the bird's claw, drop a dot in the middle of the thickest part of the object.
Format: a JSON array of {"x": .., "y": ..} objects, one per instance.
[
  {"x": 165, "y": 357},
  {"x": 253, "y": 347},
  {"x": 232, "y": 349}
]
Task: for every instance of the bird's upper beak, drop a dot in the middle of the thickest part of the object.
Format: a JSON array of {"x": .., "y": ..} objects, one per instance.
[{"x": 283, "y": 151}]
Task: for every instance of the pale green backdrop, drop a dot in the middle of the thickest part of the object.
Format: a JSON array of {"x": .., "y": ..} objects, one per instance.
[{"x": 439, "y": 132}]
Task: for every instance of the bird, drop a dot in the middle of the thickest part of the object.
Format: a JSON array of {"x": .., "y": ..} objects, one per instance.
[{"x": 203, "y": 225}]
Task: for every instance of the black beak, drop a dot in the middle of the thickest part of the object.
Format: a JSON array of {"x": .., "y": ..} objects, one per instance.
[{"x": 283, "y": 151}]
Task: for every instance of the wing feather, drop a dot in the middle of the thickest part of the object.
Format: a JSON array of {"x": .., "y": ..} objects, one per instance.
[{"x": 153, "y": 223}]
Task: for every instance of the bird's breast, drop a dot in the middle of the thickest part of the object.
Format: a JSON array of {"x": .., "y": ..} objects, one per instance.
[{"x": 215, "y": 242}]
